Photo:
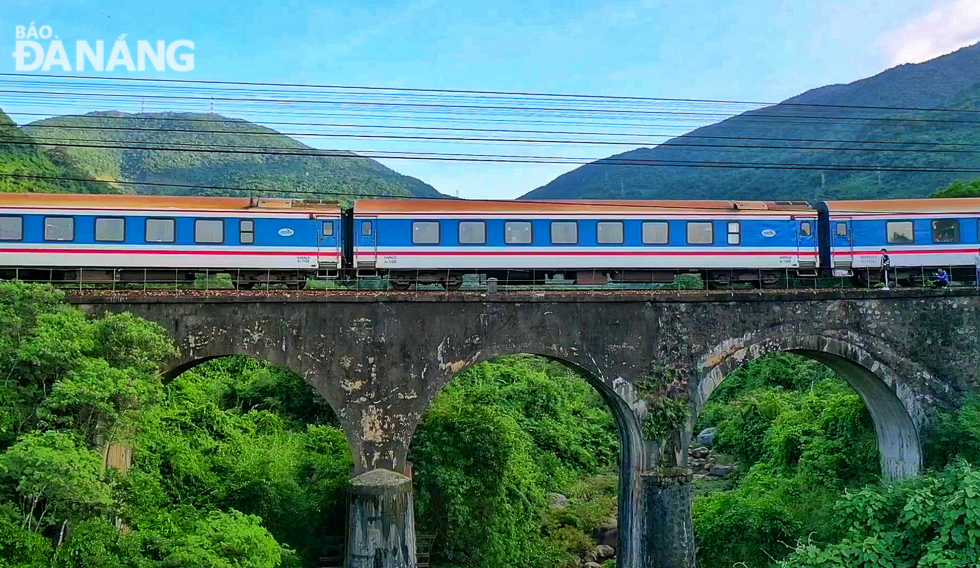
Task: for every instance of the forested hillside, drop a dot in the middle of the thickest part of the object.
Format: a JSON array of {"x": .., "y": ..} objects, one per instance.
[
  {"x": 825, "y": 134},
  {"x": 24, "y": 167},
  {"x": 141, "y": 148}
]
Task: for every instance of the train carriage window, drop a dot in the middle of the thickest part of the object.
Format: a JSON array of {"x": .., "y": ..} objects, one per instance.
[
  {"x": 655, "y": 232},
  {"x": 564, "y": 232},
  {"x": 841, "y": 229},
  {"x": 899, "y": 232},
  {"x": 425, "y": 232},
  {"x": 806, "y": 229},
  {"x": 209, "y": 231},
  {"x": 472, "y": 233},
  {"x": 11, "y": 228},
  {"x": 517, "y": 232},
  {"x": 734, "y": 233},
  {"x": 110, "y": 229},
  {"x": 700, "y": 233},
  {"x": 328, "y": 228},
  {"x": 246, "y": 231},
  {"x": 160, "y": 230},
  {"x": 609, "y": 233},
  {"x": 946, "y": 231},
  {"x": 59, "y": 228},
  {"x": 367, "y": 228}
]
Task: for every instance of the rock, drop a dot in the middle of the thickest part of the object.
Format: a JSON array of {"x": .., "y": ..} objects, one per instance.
[
  {"x": 701, "y": 453},
  {"x": 605, "y": 551},
  {"x": 558, "y": 501},
  {"x": 706, "y": 437},
  {"x": 607, "y": 534},
  {"x": 591, "y": 565},
  {"x": 722, "y": 470},
  {"x": 589, "y": 557}
]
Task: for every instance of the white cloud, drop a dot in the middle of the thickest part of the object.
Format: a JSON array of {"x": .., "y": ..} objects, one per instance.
[{"x": 941, "y": 31}]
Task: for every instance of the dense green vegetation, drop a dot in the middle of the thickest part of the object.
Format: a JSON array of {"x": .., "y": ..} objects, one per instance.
[
  {"x": 24, "y": 167},
  {"x": 801, "y": 437},
  {"x": 544, "y": 430},
  {"x": 960, "y": 189},
  {"x": 239, "y": 464},
  {"x": 808, "y": 493},
  {"x": 772, "y": 136},
  {"x": 236, "y": 463},
  {"x": 245, "y": 157}
]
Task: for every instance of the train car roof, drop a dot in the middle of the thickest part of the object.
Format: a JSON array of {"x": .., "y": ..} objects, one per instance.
[
  {"x": 496, "y": 207},
  {"x": 909, "y": 206},
  {"x": 162, "y": 202}
]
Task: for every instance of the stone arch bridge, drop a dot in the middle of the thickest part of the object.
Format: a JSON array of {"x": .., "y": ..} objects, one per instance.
[{"x": 381, "y": 359}]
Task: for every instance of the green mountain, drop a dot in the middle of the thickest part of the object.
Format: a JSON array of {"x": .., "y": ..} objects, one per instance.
[
  {"x": 24, "y": 167},
  {"x": 245, "y": 155},
  {"x": 813, "y": 138}
]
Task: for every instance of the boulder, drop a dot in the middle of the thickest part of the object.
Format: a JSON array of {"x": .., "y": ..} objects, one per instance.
[
  {"x": 706, "y": 437},
  {"x": 722, "y": 470},
  {"x": 607, "y": 534},
  {"x": 700, "y": 453},
  {"x": 558, "y": 501},
  {"x": 591, "y": 565},
  {"x": 605, "y": 551}
]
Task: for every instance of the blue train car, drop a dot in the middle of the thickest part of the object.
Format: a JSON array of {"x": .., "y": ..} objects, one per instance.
[
  {"x": 113, "y": 237},
  {"x": 640, "y": 241},
  {"x": 919, "y": 235}
]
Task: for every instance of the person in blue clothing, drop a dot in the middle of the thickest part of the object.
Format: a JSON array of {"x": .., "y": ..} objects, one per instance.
[{"x": 942, "y": 278}]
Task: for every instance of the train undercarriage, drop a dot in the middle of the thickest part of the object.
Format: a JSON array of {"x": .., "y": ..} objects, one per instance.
[{"x": 452, "y": 280}]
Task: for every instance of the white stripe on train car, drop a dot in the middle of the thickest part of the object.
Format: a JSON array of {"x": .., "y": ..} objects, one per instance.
[
  {"x": 88, "y": 256},
  {"x": 579, "y": 257},
  {"x": 911, "y": 256}
]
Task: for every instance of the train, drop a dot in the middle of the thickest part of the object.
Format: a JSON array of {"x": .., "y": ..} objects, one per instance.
[{"x": 412, "y": 242}]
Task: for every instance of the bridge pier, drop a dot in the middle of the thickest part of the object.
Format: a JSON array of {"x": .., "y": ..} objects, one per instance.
[
  {"x": 668, "y": 533},
  {"x": 381, "y": 521}
]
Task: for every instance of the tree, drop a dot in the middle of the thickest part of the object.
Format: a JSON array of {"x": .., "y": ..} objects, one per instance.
[
  {"x": 54, "y": 478},
  {"x": 960, "y": 189}
]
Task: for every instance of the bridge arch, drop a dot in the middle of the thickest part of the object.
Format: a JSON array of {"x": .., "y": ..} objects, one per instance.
[
  {"x": 617, "y": 394},
  {"x": 895, "y": 411}
]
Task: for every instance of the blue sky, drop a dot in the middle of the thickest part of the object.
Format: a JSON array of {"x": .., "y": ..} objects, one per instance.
[{"x": 754, "y": 50}]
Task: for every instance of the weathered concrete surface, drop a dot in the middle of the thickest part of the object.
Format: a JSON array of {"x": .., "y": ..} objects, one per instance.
[
  {"x": 380, "y": 360},
  {"x": 381, "y": 531},
  {"x": 668, "y": 535}
]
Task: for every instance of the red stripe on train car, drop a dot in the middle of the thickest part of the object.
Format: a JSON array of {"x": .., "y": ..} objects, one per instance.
[
  {"x": 907, "y": 251},
  {"x": 580, "y": 253},
  {"x": 163, "y": 252}
]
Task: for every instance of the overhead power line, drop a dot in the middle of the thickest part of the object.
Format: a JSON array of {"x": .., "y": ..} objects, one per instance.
[
  {"x": 470, "y": 92},
  {"x": 272, "y": 132},
  {"x": 499, "y": 108},
  {"x": 190, "y": 146},
  {"x": 498, "y": 158}
]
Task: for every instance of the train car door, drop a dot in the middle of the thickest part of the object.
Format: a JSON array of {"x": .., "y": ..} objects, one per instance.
[
  {"x": 328, "y": 242},
  {"x": 806, "y": 244},
  {"x": 366, "y": 239},
  {"x": 842, "y": 238}
]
